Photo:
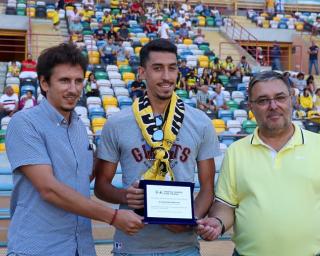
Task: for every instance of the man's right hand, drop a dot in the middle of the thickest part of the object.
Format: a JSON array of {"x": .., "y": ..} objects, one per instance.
[
  {"x": 128, "y": 222},
  {"x": 135, "y": 196}
]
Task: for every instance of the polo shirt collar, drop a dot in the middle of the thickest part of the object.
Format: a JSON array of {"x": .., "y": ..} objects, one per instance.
[
  {"x": 297, "y": 138},
  {"x": 54, "y": 115}
]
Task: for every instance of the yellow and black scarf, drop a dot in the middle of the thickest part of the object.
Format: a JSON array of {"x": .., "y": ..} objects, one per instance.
[{"x": 172, "y": 123}]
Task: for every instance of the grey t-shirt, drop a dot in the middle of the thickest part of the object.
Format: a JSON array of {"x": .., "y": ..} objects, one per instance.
[{"x": 122, "y": 141}]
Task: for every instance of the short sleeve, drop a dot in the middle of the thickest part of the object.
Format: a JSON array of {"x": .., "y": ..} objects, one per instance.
[
  {"x": 24, "y": 144},
  {"x": 108, "y": 148},
  {"x": 209, "y": 148},
  {"x": 226, "y": 190}
]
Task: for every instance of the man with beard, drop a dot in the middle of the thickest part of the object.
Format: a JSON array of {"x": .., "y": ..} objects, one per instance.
[
  {"x": 145, "y": 146},
  {"x": 268, "y": 188},
  {"x": 51, "y": 159}
]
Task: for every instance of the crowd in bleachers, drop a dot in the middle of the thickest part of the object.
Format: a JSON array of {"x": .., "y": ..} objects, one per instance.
[{"x": 111, "y": 36}]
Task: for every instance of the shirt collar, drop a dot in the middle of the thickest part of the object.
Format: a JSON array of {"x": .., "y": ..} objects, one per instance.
[
  {"x": 54, "y": 115},
  {"x": 297, "y": 138}
]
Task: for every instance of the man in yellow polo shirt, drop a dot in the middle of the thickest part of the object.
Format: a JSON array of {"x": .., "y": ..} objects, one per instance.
[{"x": 269, "y": 186}]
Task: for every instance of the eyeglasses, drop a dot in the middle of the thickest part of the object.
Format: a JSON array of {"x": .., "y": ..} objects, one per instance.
[
  {"x": 158, "y": 134},
  {"x": 266, "y": 101}
]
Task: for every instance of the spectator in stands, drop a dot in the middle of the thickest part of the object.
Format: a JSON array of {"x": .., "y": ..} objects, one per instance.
[
  {"x": 89, "y": 3},
  {"x": 13, "y": 69},
  {"x": 86, "y": 13},
  {"x": 164, "y": 30},
  {"x": 192, "y": 81},
  {"x": 228, "y": 66},
  {"x": 123, "y": 19},
  {"x": 51, "y": 200},
  {"x": 29, "y": 64},
  {"x": 150, "y": 27},
  {"x": 275, "y": 54},
  {"x": 199, "y": 38},
  {"x": 73, "y": 15},
  {"x": 107, "y": 17},
  {"x": 159, "y": 69},
  {"x": 80, "y": 42},
  {"x": 287, "y": 76},
  {"x": 183, "y": 31},
  {"x": 218, "y": 97},
  {"x": 214, "y": 79},
  {"x": 299, "y": 82},
  {"x": 310, "y": 84},
  {"x": 27, "y": 100},
  {"x": 8, "y": 103},
  {"x": 205, "y": 78},
  {"x": 137, "y": 88},
  {"x": 316, "y": 100},
  {"x": 123, "y": 33},
  {"x": 206, "y": 11},
  {"x": 112, "y": 34},
  {"x": 260, "y": 56},
  {"x": 75, "y": 26},
  {"x": 243, "y": 195},
  {"x": 313, "y": 58},
  {"x": 199, "y": 7},
  {"x": 306, "y": 100},
  {"x": 120, "y": 52},
  {"x": 244, "y": 67},
  {"x": 204, "y": 99},
  {"x": 270, "y": 7},
  {"x": 108, "y": 52},
  {"x": 91, "y": 87},
  {"x": 186, "y": 6},
  {"x": 217, "y": 65},
  {"x": 100, "y": 34}
]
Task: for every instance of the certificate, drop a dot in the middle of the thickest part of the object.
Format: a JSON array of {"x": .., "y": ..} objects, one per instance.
[{"x": 168, "y": 202}]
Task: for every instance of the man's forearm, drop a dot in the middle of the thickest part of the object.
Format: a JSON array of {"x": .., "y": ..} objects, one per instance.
[{"x": 223, "y": 212}]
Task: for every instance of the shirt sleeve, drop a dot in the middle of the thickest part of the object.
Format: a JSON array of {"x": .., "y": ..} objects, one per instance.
[
  {"x": 210, "y": 146},
  {"x": 226, "y": 190},
  {"x": 24, "y": 144},
  {"x": 108, "y": 148}
]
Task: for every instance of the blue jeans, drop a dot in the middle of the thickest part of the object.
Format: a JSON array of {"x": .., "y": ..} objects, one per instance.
[
  {"x": 193, "y": 251},
  {"x": 315, "y": 64},
  {"x": 276, "y": 64}
]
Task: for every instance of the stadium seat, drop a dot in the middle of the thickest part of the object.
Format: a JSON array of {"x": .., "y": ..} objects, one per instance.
[
  {"x": 105, "y": 91},
  {"x": 183, "y": 94},
  {"x": 103, "y": 83},
  {"x": 110, "y": 101},
  {"x": 225, "y": 115},
  {"x": 96, "y": 112},
  {"x": 237, "y": 96},
  {"x": 81, "y": 111},
  {"x": 227, "y": 138},
  {"x": 240, "y": 115},
  {"x": 248, "y": 126},
  {"x": 219, "y": 125},
  {"x": 234, "y": 126}
]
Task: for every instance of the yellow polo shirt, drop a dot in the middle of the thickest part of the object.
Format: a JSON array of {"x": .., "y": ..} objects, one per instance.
[{"x": 276, "y": 195}]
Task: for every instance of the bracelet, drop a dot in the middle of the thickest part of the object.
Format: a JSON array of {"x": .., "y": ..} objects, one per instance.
[
  {"x": 223, "y": 228},
  {"x": 114, "y": 216}
]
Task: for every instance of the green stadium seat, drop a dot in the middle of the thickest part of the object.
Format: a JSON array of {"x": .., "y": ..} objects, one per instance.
[{"x": 183, "y": 94}]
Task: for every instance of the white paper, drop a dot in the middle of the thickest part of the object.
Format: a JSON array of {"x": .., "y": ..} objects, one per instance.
[{"x": 168, "y": 202}]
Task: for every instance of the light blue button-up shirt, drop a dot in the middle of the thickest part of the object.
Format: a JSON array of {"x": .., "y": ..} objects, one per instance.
[{"x": 37, "y": 136}]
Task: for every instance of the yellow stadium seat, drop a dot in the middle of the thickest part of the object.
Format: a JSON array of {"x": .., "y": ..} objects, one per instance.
[
  {"x": 114, "y": 4},
  {"x": 264, "y": 14},
  {"x": 288, "y": 16},
  {"x": 69, "y": 8},
  {"x": 299, "y": 26},
  {"x": 98, "y": 121},
  {"x": 2, "y": 147},
  {"x": 176, "y": 24},
  {"x": 169, "y": 20},
  {"x": 204, "y": 64},
  {"x": 276, "y": 18},
  {"x": 144, "y": 40},
  {"x": 50, "y": 14},
  {"x": 74, "y": 37},
  {"x": 109, "y": 101},
  {"x": 116, "y": 29},
  {"x": 88, "y": 72},
  {"x": 265, "y": 24},
  {"x": 251, "y": 116},
  {"x": 93, "y": 54},
  {"x": 137, "y": 50},
  {"x": 16, "y": 88},
  {"x": 219, "y": 125},
  {"x": 128, "y": 76},
  {"x": 203, "y": 58},
  {"x": 187, "y": 41},
  {"x": 31, "y": 12},
  {"x": 124, "y": 62},
  {"x": 202, "y": 22},
  {"x": 94, "y": 60}
]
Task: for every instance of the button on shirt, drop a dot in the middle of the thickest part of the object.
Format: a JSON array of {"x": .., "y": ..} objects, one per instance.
[{"x": 42, "y": 136}]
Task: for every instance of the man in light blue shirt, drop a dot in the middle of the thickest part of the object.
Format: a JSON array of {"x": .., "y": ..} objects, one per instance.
[{"x": 51, "y": 160}]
